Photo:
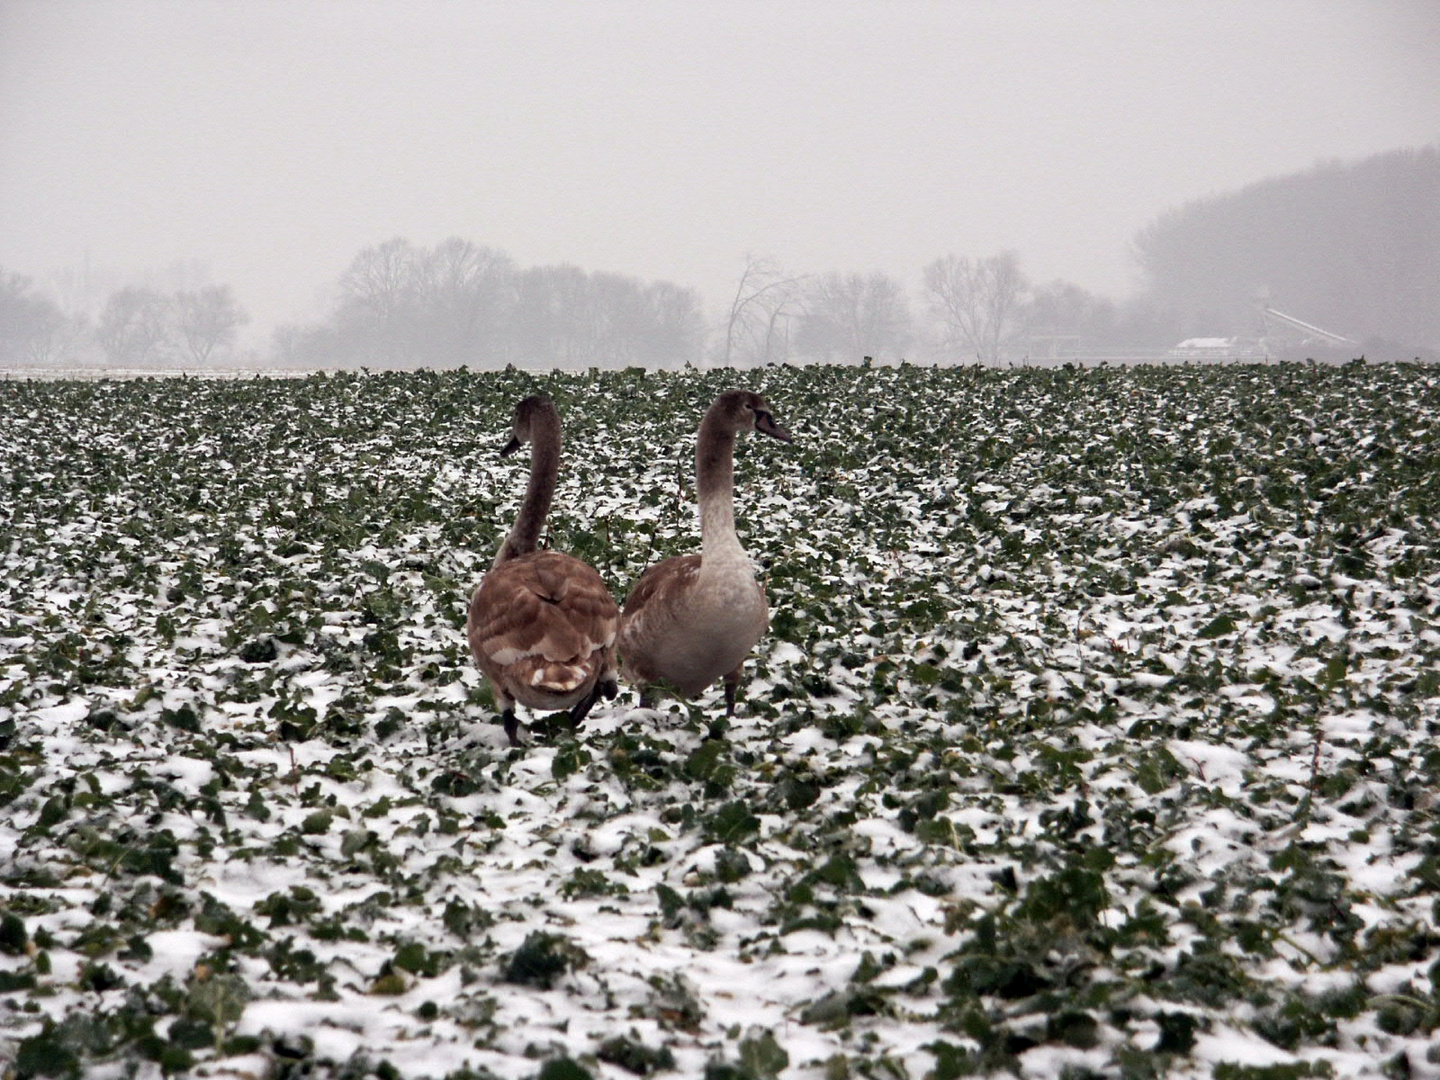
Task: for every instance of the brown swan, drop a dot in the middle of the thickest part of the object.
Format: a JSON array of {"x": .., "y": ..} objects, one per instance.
[
  {"x": 542, "y": 625},
  {"x": 693, "y": 619}
]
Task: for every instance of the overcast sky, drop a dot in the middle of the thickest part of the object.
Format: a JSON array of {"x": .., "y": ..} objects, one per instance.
[{"x": 666, "y": 139}]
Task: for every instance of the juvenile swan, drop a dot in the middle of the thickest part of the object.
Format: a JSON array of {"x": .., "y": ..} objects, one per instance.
[
  {"x": 694, "y": 618},
  {"x": 542, "y": 625}
]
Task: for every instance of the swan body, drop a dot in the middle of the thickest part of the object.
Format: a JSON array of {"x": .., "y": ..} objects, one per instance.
[
  {"x": 692, "y": 619},
  {"x": 542, "y": 625}
]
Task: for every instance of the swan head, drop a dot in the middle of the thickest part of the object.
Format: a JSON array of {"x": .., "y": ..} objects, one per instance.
[
  {"x": 530, "y": 413},
  {"x": 742, "y": 410}
]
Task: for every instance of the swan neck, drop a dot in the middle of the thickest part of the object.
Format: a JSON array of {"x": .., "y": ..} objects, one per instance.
[
  {"x": 715, "y": 488},
  {"x": 524, "y": 535}
]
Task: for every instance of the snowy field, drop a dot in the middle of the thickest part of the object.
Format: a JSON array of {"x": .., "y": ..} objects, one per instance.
[{"x": 1095, "y": 734}]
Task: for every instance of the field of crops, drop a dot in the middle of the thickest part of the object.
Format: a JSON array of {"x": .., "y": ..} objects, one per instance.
[{"x": 1094, "y": 736}]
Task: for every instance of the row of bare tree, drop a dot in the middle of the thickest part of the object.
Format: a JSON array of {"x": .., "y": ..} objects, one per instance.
[
  {"x": 463, "y": 303},
  {"x": 138, "y": 327},
  {"x": 982, "y": 309},
  {"x": 829, "y": 317},
  {"x": 459, "y": 302}
]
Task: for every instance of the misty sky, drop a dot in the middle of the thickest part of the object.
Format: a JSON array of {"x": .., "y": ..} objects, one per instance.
[{"x": 274, "y": 140}]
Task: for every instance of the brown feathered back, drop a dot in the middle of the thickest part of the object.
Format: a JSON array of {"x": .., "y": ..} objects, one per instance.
[{"x": 542, "y": 628}]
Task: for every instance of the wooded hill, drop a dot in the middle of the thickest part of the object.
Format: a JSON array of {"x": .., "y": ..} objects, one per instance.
[{"x": 1353, "y": 247}]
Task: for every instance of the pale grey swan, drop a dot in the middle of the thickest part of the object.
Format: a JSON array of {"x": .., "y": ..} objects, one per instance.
[
  {"x": 693, "y": 619},
  {"x": 542, "y": 625}
]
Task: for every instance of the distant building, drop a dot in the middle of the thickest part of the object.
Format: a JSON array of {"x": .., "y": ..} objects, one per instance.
[{"x": 1217, "y": 348}]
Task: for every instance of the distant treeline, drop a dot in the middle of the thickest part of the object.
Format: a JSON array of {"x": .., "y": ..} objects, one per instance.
[
  {"x": 1354, "y": 248},
  {"x": 138, "y": 327},
  {"x": 459, "y": 302},
  {"x": 462, "y": 303}
]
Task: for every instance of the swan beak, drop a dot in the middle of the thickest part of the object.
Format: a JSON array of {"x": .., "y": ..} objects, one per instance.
[
  {"x": 510, "y": 447},
  {"x": 766, "y": 425}
]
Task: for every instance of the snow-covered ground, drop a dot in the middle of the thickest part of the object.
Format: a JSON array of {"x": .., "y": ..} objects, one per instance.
[{"x": 1094, "y": 735}]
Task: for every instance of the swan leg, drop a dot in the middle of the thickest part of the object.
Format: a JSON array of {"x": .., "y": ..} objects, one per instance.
[
  {"x": 582, "y": 707},
  {"x": 605, "y": 687},
  {"x": 512, "y": 726},
  {"x": 732, "y": 680}
]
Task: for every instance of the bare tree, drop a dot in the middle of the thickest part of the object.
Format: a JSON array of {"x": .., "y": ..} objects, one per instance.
[
  {"x": 658, "y": 325},
  {"x": 765, "y": 298},
  {"x": 977, "y": 301},
  {"x": 375, "y": 315},
  {"x": 463, "y": 295},
  {"x": 380, "y": 278},
  {"x": 133, "y": 328},
  {"x": 617, "y": 322},
  {"x": 553, "y": 324},
  {"x": 32, "y": 328},
  {"x": 57, "y": 337},
  {"x": 460, "y": 302},
  {"x": 207, "y": 319},
  {"x": 850, "y": 316},
  {"x": 675, "y": 325}
]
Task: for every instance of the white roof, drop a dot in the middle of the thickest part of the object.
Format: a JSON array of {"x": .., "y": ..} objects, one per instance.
[{"x": 1207, "y": 343}]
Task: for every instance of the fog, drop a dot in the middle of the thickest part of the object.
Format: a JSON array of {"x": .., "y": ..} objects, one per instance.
[{"x": 260, "y": 146}]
